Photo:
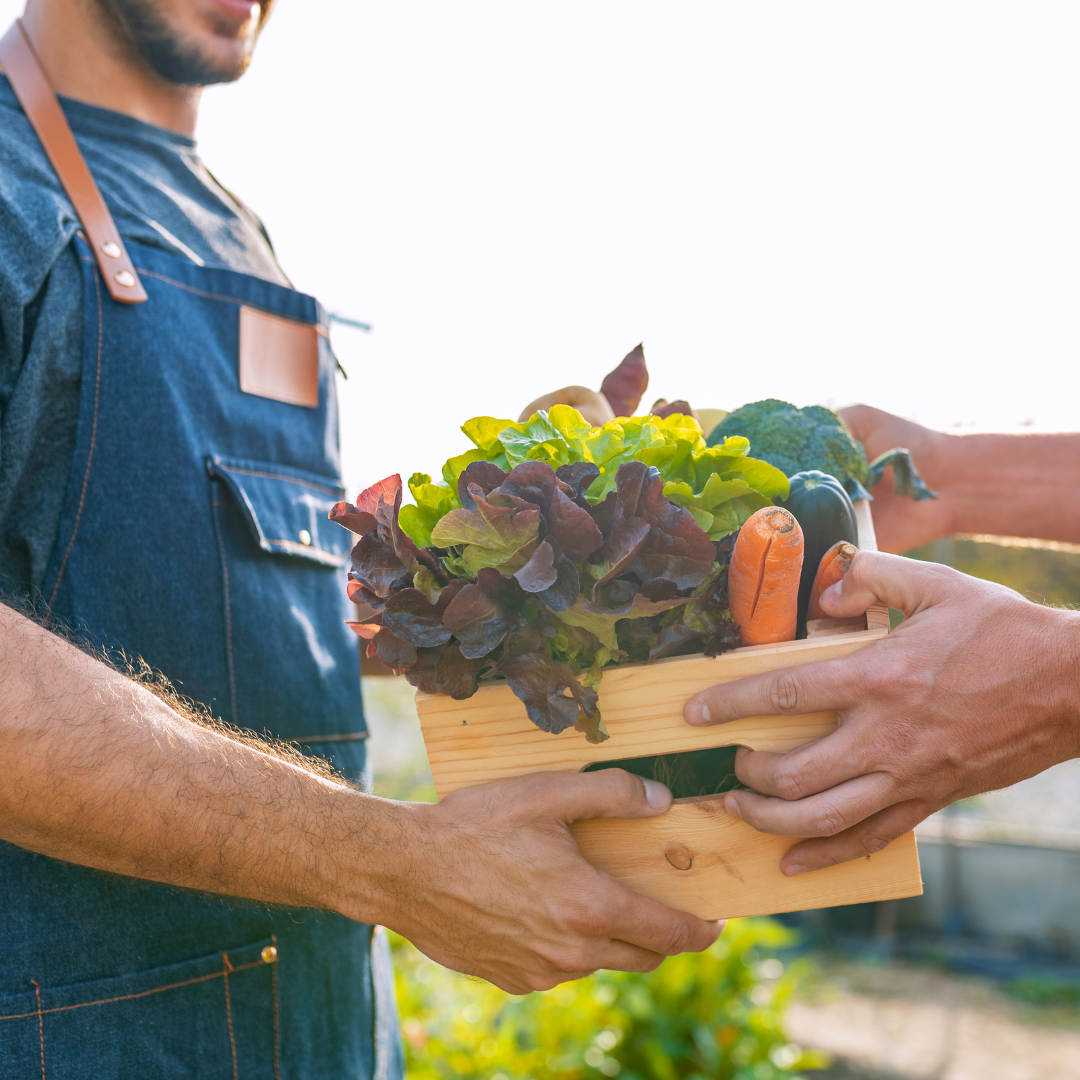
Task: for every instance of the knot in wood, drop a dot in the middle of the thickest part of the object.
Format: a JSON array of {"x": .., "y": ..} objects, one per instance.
[{"x": 679, "y": 855}]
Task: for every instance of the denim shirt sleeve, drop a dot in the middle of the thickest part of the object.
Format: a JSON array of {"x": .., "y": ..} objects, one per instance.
[{"x": 40, "y": 375}]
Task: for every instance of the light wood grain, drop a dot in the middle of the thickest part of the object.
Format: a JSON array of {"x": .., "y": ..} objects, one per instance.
[
  {"x": 490, "y": 736},
  {"x": 696, "y": 856},
  {"x": 699, "y": 858}
]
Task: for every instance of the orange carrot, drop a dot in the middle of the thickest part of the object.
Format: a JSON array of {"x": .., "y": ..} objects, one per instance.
[
  {"x": 835, "y": 563},
  {"x": 763, "y": 579}
]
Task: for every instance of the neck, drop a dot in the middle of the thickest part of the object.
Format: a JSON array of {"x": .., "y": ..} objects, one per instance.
[{"x": 84, "y": 59}]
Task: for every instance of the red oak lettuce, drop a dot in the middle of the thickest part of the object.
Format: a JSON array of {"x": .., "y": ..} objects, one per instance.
[{"x": 551, "y": 550}]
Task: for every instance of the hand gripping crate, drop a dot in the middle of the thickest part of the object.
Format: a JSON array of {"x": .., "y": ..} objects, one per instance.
[{"x": 696, "y": 856}]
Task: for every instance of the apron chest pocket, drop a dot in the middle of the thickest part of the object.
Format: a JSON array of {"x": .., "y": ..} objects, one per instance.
[{"x": 293, "y": 663}]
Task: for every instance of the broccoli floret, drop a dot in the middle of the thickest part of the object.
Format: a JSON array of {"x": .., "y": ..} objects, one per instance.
[{"x": 795, "y": 440}]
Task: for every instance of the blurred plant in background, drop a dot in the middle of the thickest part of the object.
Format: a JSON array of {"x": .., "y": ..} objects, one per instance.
[
  {"x": 710, "y": 1016},
  {"x": 1048, "y": 573}
]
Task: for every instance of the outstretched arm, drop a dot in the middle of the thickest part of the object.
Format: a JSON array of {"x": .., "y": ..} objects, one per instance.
[
  {"x": 101, "y": 772},
  {"x": 1003, "y": 484},
  {"x": 975, "y": 690}
]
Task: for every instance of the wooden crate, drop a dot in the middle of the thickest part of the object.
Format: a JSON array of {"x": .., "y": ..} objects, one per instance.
[{"x": 696, "y": 856}]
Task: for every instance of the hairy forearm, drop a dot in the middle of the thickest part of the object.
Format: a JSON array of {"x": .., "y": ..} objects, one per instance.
[
  {"x": 101, "y": 772},
  {"x": 1004, "y": 484},
  {"x": 1009, "y": 484}
]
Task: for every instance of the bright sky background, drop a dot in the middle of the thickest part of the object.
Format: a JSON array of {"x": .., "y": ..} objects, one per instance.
[{"x": 822, "y": 202}]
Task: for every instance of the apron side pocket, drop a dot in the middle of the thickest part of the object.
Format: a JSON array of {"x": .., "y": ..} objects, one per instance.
[{"x": 213, "y": 1016}]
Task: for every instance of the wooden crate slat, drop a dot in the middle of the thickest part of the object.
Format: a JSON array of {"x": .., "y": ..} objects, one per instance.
[
  {"x": 489, "y": 736},
  {"x": 731, "y": 869},
  {"x": 696, "y": 856}
]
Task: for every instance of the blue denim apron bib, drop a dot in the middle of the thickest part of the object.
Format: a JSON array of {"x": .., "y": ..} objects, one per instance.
[{"x": 194, "y": 535}]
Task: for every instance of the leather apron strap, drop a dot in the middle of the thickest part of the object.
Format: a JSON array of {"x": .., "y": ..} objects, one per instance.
[{"x": 36, "y": 96}]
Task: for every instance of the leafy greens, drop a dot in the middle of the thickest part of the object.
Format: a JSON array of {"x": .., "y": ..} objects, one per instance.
[{"x": 551, "y": 549}]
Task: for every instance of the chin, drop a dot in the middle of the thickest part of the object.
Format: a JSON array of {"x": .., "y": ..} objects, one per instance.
[{"x": 190, "y": 42}]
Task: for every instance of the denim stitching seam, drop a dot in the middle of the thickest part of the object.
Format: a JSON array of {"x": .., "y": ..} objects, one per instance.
[
  {"x": 226, "y": 968},
  {"x": 90, "y": 455},
  {"x": 131, "y": 997},
  {"x": 41, "y": 1025},
  {"x": 229, "y": 299},
  {"x": 228, "y": 611},
  {"x": 280, "y": 476},
  {"x": 277, "y": 1032}
]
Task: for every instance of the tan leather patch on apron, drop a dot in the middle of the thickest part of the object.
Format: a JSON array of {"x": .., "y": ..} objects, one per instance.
[{"x": 279, "y": 358}]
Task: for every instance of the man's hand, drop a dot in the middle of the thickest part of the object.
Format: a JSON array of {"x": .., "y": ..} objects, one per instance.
[
  {"x": 900, "y": 523},
  {"x": 501, "y": 891},
  {"x": 1004, "y": 484},
  {"x": 592, "y": 405},
  {"x": 975, "y": 690},
  {"x": 100, "y": 772}
]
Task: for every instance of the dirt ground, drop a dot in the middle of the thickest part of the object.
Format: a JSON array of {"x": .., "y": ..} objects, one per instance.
[{"x": 895, "y": 1022}]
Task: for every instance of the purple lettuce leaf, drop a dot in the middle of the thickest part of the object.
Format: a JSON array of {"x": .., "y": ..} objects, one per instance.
[
  {"x": 410, "y": 615},
  {"x": 364, "y": 598},
  {"x": 392, "y": 651},
  {"x": 375, "y": 506},
  {"x": 357, "y": 521},
  {"x": 571, "y": 525},
  {"x": 624, "y": 386},
  {"x": 484, "y": 475},
  {"x": 552, "y": 575},
  {"x": 541, "y": 683},
  {"x": 617, "y": 593},
  {"x": 478, "y": 621},
  {"x": 376, "y": 566},
  {"x": 672, "y": 408},
  {"x": 456, "y": 674},
  {"x": 578, "y": 477},
  {"x": 503, "y": 588},
  {"x": 677, "y": 548},
  {"x": 539, "y": 572},
  {"x": 567, "y": 587},
  {"x": 531, "y": 582},
  {"x": 658, "y": 589},
  {"x": 424, "y": 674},
  {"x": 625, "y": 537},
  {"x": 603, "y": 621},
  {"x": 490, "y": 535},
  {"x": 674, "y": 640},
  {"x": 383, "y": 557}
]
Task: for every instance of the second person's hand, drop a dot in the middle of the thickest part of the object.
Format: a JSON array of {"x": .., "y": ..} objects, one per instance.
[{"x": 974, "y": 691}]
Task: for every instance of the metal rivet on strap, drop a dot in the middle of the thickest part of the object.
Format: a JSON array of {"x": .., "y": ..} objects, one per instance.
[
  {"x": 269, "y": 954},
  {"x": 111, "y": 249},
  {"x": 305, "y": 538},
  {"x": 125, "y": 278}
]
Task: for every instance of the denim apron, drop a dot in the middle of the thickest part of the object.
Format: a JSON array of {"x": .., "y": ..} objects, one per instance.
[{"x": 195, "y": 535}]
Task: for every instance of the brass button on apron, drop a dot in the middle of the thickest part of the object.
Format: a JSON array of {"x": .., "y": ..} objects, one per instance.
[
  {"x": 111, "y": 249},
  {"x": 305, "y": 538},
  {"x": 125, "y": 278},
  {"x": 269, "y": 954}
]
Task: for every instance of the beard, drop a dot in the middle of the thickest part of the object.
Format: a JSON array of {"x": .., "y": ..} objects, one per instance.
[{"x": 143, "y": 26}]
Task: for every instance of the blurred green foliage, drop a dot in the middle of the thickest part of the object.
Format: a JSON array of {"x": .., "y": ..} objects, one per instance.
[
  {"x": 1046, "y": 990},
  {"x": 710, "y": 1016},
  {"x": 1042, "y": 574}
]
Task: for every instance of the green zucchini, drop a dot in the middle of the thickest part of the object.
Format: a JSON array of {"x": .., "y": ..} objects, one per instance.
[{"x": 823, "y": 510}]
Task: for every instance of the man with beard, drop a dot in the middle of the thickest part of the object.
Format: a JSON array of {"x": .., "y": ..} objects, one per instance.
[{"x": 168, "y": 454}]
